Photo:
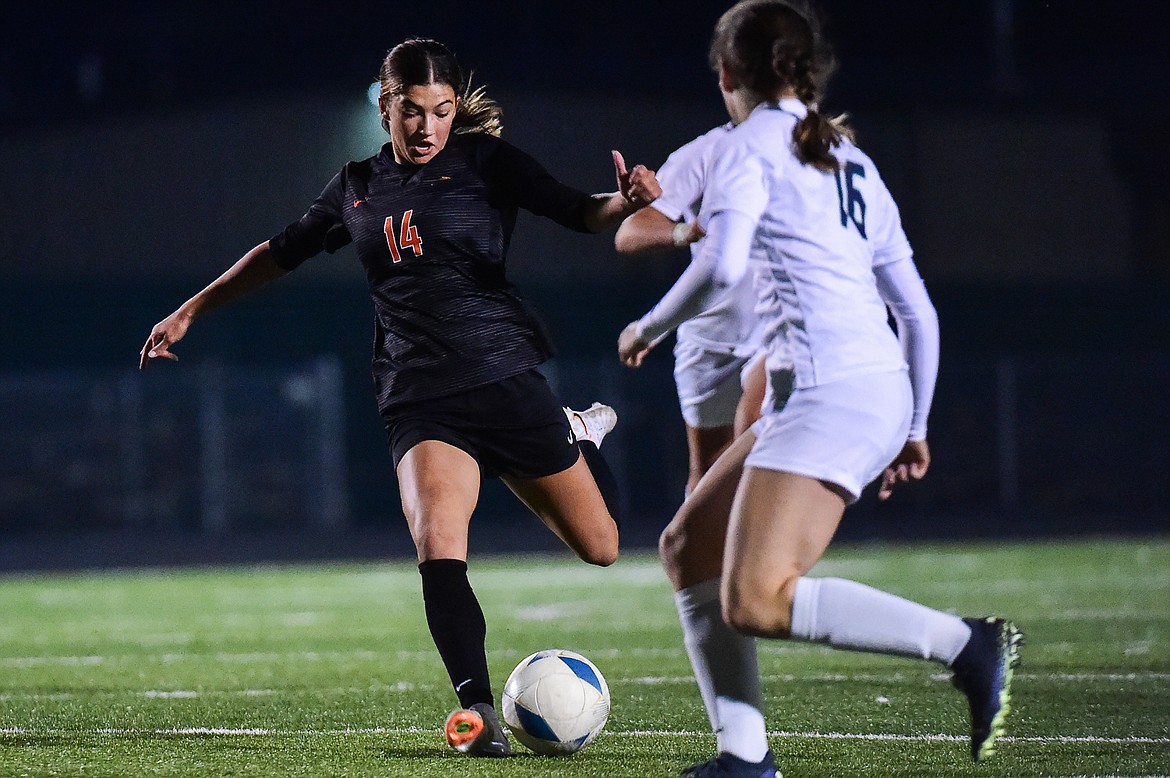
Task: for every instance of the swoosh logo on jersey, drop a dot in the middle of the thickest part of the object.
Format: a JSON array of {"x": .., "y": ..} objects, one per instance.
[{"x": 358, "y": 201}]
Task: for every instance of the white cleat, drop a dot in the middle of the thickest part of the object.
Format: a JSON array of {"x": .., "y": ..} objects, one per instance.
[{"x": 593, "y": 423}]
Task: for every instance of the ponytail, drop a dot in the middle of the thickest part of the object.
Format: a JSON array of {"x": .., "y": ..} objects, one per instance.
[
  {"x": 774, "y": 46},
  {"x": 815, "y": 136},
  {"x": 478, "y": 113}
]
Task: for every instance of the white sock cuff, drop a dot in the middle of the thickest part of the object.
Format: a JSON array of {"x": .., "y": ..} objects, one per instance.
[
  {"x": 691, "y": 597},
  {"x": 804, "y": 608}
]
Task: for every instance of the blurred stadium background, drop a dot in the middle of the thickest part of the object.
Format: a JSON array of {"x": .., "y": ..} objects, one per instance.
[{"x": 145, "y": 146}]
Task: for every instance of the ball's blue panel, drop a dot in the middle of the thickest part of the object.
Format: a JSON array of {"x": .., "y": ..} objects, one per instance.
[
  {"x": 534, "y": 725},
  {"x": 583, "y": 671},
  {"x": 536, "y": 659}
]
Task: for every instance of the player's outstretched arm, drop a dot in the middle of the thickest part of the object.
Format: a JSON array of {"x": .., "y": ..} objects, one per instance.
[
  {"x": 250, "y": 272},
  {"x": 650, "y": 230},
  {"x": 636, "y": 188}
]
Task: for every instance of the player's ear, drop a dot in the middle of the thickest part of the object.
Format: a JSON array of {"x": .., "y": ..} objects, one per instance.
[{"x": 727, "y": 80}]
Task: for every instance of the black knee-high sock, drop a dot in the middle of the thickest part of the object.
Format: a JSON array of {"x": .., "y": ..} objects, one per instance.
[
  {"x": 606, "y": 482},
  {"x": 457, "y": 627}
]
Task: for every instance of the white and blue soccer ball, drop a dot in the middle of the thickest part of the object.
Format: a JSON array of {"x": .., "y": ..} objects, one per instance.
[{"x": 556, "y": 702}]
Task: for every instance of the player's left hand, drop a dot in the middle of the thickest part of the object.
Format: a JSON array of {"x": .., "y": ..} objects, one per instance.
[
  {"x": 632, "y": 348},
  {"x": 639, "y": 186},
  {"x": 912, "y": 462}
]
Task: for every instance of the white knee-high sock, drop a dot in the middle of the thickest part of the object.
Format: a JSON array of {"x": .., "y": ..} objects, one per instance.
[
  {"x": 845, "y": 614},
  {"x": 724, "y": 663}
]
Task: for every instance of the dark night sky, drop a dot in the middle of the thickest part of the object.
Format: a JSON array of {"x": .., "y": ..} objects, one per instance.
[{"x": 157, "y": 56}]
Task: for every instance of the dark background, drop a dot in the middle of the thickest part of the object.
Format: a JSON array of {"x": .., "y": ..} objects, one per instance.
[{"x": 146, "y": 146}]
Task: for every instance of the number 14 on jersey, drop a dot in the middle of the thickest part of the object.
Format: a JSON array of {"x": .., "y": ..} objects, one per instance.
[{"x": 407, "y": 238}]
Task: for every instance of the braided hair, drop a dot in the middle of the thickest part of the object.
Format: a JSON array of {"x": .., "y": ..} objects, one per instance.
[
  {"x": 420, "y": 62},
  {"x": 772, "y": 46}
]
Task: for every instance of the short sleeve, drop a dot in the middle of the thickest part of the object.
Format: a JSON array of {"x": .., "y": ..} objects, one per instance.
[
  {"x": 736, "y": 181},
  {"x": 681, "y": 177},
  {"x": 320, "y": 229}
]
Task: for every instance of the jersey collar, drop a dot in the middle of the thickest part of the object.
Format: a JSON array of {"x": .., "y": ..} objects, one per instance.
[
  {"x": 793, "y": 106},
  {"x": 789, "y": 105}
]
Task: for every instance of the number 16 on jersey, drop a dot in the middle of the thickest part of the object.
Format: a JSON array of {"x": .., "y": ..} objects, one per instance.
[{"x": 849, "y": 199}]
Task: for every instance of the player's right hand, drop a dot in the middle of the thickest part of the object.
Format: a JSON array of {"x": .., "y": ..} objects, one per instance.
[
  {"x": 632, "y": 347},
  {"x": 911, "y": 463},
  {"x": 165, "y": 334},
  {"x": 639, "y": 186}
]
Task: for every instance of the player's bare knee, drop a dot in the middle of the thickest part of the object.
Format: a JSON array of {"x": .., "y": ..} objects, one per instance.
[
  {"x": 602, "y": 555},
  {"x": 762, "y": 611},
  {"x": 602, "y": 548},
  {"x": 670, "y": 544}
]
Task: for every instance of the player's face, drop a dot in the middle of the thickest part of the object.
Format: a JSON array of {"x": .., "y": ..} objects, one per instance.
[{"x": 420, "y": 121}]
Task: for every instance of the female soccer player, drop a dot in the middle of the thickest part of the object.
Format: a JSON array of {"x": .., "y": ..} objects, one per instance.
[
  {"x": 455, "y": 348},
  {"x": 789, "y": 188},
  {"x": 719, "y": 395}
]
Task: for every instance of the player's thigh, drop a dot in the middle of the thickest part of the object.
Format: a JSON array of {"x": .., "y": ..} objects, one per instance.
[
  {"x": 691, "y": 546},
  {"x": 439, "y": 484},
  {"x": 571, "y": 505},
  {"x": 705, "y": 444},
  {"x": 754, "y": 379},
  {"x": 781, "y": 523}
]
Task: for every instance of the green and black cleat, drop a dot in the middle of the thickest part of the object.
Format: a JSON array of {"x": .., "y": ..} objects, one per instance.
[{"x": 983, "y": 672}]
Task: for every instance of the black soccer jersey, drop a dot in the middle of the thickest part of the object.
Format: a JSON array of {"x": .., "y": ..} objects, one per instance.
[{"x": 434, "y": 240}]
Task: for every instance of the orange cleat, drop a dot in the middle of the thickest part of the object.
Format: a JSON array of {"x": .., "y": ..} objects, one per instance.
[
  {"x": 462, "y": 728},
  {"x": 476, "y": 731}
]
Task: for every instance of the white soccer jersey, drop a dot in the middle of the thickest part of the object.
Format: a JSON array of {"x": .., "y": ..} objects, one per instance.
[
  {"x": 728, "y": 324},
  {"x": 817, "y": 240}
]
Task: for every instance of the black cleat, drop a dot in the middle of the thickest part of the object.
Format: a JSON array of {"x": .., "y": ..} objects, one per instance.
[
  {"x": 983, "y": 672},
  {"x": 733, "y": 767},
  {"x": 476, "y": 731}
]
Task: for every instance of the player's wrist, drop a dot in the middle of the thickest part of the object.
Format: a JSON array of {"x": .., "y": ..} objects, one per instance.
[{"x": 681, "y": 235}]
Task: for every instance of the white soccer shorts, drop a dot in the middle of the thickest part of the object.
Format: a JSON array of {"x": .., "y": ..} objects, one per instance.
[
  {"x": 708, "y": 384},
  {"x": 845, "y": 432}
]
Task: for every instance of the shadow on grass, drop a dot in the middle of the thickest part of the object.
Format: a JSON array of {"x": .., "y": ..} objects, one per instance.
[{"x": 424, "y": 752}]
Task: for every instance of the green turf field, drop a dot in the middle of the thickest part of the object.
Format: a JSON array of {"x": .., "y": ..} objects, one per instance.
[{"x": 329, "y": 670}]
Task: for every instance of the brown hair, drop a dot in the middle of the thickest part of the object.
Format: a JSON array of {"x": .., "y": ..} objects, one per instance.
[
  {"x": 421, "y": 61},
  {"x": 775, "y": 45}
]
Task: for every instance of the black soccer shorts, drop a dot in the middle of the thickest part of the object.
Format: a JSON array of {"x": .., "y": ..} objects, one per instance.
[{"x": 514, "y": 427}]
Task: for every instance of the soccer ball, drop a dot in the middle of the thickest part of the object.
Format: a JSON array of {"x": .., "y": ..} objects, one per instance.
[{"x": 555, "y": 702}]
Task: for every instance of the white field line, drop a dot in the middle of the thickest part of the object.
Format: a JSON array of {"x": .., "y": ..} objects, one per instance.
[
  {"x": 410, "y": 686},
  {"x": 281, "y": 657},
  {"x": 902, "y": 677},
  {"x": 256, "y": 657},
  {"x": 865, "y": 736}
]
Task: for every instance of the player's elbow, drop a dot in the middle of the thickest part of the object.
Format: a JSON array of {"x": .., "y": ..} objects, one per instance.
[{"x": 624, "y": 241}]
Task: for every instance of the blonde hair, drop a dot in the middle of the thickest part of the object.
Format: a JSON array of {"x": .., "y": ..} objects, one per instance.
[{"x": 421, "y": 61}]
